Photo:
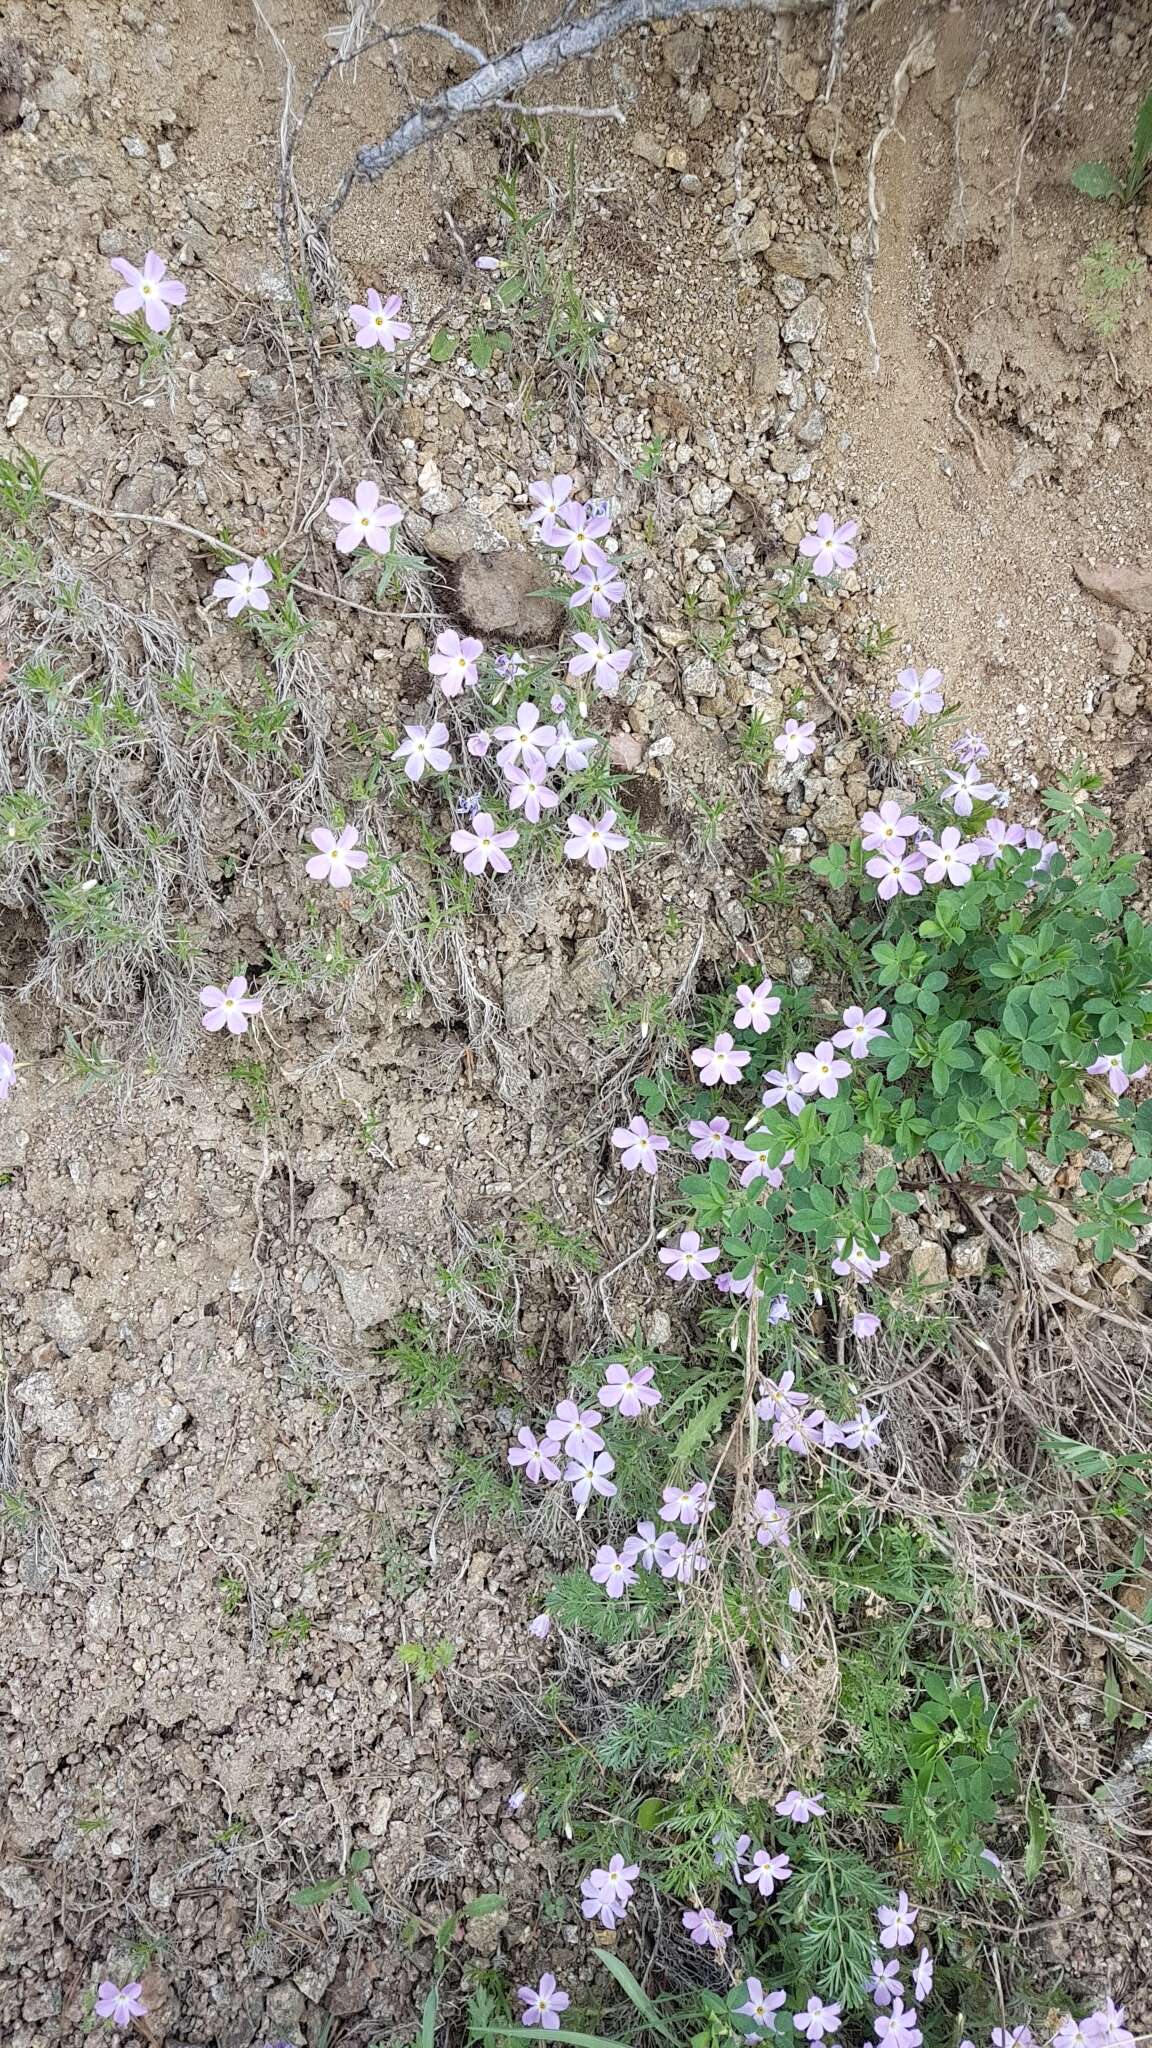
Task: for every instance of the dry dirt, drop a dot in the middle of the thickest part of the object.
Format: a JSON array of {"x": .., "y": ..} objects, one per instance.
[{"x": 237, "y": 1516}]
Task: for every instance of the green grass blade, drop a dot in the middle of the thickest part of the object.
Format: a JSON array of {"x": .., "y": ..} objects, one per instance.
[{"x": 636, "y": 1993}]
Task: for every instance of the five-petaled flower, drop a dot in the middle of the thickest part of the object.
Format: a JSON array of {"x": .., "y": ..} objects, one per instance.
[
  {"x": 604, "y": 663},
  {"x": 538, "y": 1459},
  {"x": 639, "y": 1146},
  {"x": 606, "y": 1892},
  {"x": 454, "y": 662},
  {"x": 965, "y": 789},
  {"x": 896, "y": 871},
  {"x": 885, "y": 1983},
  {"x": 723, "y": 1061},
  {"x": 795, "y": 741},
  {"x": 549, "y": 495},
  {"x": 817, "y": 2019},
  {"x": 951, "y": 858},
  {"x": 864, "y": 1325},
  {"x": 1110, "y": 1066},
  {"x": 337, "y": 859},
  {"x": 713, "y": 1140},
  {"x": 897, "y": 2028},
  {"x": 821, "y": 1072},
  {"x": 230, "y": 1008},
  {"x": 543, "y": 2003},
  {"x": 599, "y": 587},
  {"x": 593, "y": 842},
  {"x": 376, "y": 323},
  {"x": 800, "y": 1806},
  {"x": 689, "y": 1260},
  {"x": 706, "y": 1930},
  {"x": 890, "y": 822},
  {"x": 756, "y": 1007},
  {"x": 577, "y": 529},
  {"x": 525, "y": 737},
  {"x": 364, "y": 518},
  {"x": 760, "y": 2005},
  {"x": 861, "y": 1029},
  {"x": 484, "y": 846},
  {"x": 915, "y": 695},
  {"x": 687, "y": 1504},
  {"x": 588, "y": 1475},
  {"x": 424, "y": 748},
  {"x": 612, "y": 1571},
  {"x": 629, "y": 1389},
  {"x": 784, "y": 1088},
  {"x": 540, "y": 1627},
  {"x": 119, "y": 2004},
  {"x": 7, "y": 1070},
  {"x": 148, "y": 290},
  {"x": 897, "y": 1923},
  {"x": 922, "y": 1976},
  {"x": 771, "y": 1520},
  {"x": 996, "y": 839},
  {"x": 245, "y": 586},
  {"x": 829, "y": 547},
  {"x": 528, "y": 786}
]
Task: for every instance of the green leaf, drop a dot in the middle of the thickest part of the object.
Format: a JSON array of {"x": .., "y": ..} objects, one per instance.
[
  {"x": 485, "y": 1903},
  {"x": 637, "y": 1994},
  {"x": 554, "y": 2034},
  {"x": 649, "y": 1814},
  {"x": 316, "y": 1894},
  {"x": 442, "y": 346},
  {"x": 428, "y": 2018}
]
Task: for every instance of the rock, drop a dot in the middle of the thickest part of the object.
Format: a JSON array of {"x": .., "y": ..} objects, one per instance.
[
  {"x": 1046, "y": 1255},
  {"x": 370, "y": 1294},
  {"x": 527, "y": 989},
  {"x": 676, "y": 159},
  {"x": 284, "y": 2007},
  {"x": 1116, "y": 651},
  {"x": 326, "y": 1202},
  {"x": 1124, "y": 585},
  {"x": 61, "y": 92},
  {"x": 146, "y": 488},
  {"x": 806, "y": 257},
  {"x": 626, "y": 752},
  {"x": 756, "y": 238},
  {"x": 836, "y": 817},
  {"x": 66, "y": 169},
  {"x": 691, "y": 185},
  {"x": 21, "y": 1889},
  {"x": 222, "y": 382},
  {"x": 682, "y": 52},
  {"x": 462, "y": 531},
  {"x": 482, "y": 1935},
  {"x": 802, "y": 76},
  {"x": 969, "y": 1257},
  {"x": 830, "y": 134},
  {"x": 928, "y": 1264},
  {"x": 789, "y": 292},
  {"x": 57, "y": 1421},
  {"x": 765, "y": 359},
  {"x": 134, "y": 146},
  {"x": 503, "y": 595},
  {"x": 591, "y": 975},
  {"x": 699, "y": 108},
  {"x": 165, "y": 156},
  {"x": 647, "y": 148},
  {"x": 804, "y": 324},
  {"x": 812, "y": 430},
  {"x": 62, "y": 1320}
]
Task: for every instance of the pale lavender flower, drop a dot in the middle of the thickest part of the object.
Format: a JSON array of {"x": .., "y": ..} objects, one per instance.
[
  {"x": 757, "y": 1007},
  {"x": 745, "y": 1289},
  {"x": 484, "y": 846},
  {"x": 526, "y": 736},
  {"x": 880, "y": 828},
  {"x": 590, "y": 1475},
  {"x": 922, "y": 1977},
  {"x": 864, "y": 1325},
  {"x": 479, "y": 745},
  {"x": 148, "y": 290},
  {"x": 771, "y": 1520},
  {"x": 1035, "y": 841},
  {"x": 970, "y": 748},
  {"x": 795, "y": 741},
  {"x": 759, "y": 1168},
  {"x": 852, "y": 1260},
  {"x": 687, "y": 1504},
  {"x": 567, "y": 750},
  {"x": 689, "y": 1260},
  {"x": 606, "y": 1892},
  {"x": 828, "y": 547},
  {"x": 376, "y": 324},
  {"x": 897, "y": 871},
  {"x": 245, "y": 587},
  {"x": 549, "y": 494},
  {"x": 543, "y": 2003},
  {"x": 639, "y": 1146},
  {"x": 861, "y": 1030},
  {"x": 598, "y": 587},
  {"x": 897, "y": 2028},
  {"x": 821, "y": 1072},
  {"x": 230, "y": 1008},
  {"x": 593, "y": 842},
  {"x": 706, "y": 1930},
  {"x": 897, "y": 1923},
  {"x": 487, "y": 263},
  {"x": 778, "y": 1309},
  {"x": 796, "y": 1600},
  {"x": 1074, "y": 2033},
  {"x": 1110, "y": 2029},
  {"x": 784, "y": 1088},
  {"x": 720, "y": 1062},
  {"x": 528, "y": 787},
  {"x": 643, "y": 1548},
  {"x": 720, "y": 1855},
  {"x": 915, "y": 696},
  {"x": 454, "y": 662},
  {"x": 336, "y": 859},
  {"x": 424, "y": 748},
  {"x": 781, "y": 1398},
  {"x": 604, "y": 663},
  {"x": 577, "y": 528},
  {"x": 712, "y": 1139},
  {"x": 509, "y": 665},
  {"x": 540, "y": 1627},
  {"x": 801, "y": 1807},
  {"x": 612, "y": 1571},
  {"x": 365, "y": 519},
  {"x": 1111, "y": 1065},
  {"x": 629, "y": 1389},
  {"x": 951, "y": 859},
  {"x": 885, "y": 1983},
  {"x": 995, "y": 840},
  {"x": 120, "y": 2005},
  {"x": 538, "y": 1459},
  {"x": 797, "y": 1432},
  {"x": 817, "y": 2019},
  {"x": 575, "y": 1429},
  {"x": 7, "y": 1070},
  {"x": 671, "y": 1552},
  {"x": 1014, "y": 2037},
  {"x": 760, "y": 2005},
  {"x": 966, "y": 788}
]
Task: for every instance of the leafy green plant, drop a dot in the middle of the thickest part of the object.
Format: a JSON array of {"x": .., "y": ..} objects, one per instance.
[
  {"x": 345, "y": 1885},
  {"x": 1099, "y": 181},
  {"x": 1105, "y": 279},
  {"x": 426, "y": 1660}
]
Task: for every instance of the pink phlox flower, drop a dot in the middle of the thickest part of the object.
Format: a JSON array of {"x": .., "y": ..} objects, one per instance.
[
  {"x": 484, "y": 845},
  {"x": 862, "y": 1431},
  {"x": 593, "y": 842},
  {"x": 7, "y": 1070},
  {"x": 577, "y": 528},
  {"x": 424, "y": 748},
  {"x": 723, "y": 1061},
  {"x": 767, "y": 1871},
  {"x": 230, "y": 1009},
  {"x": 1111, "y": 1065},
  {"x": 757, "y": 1007},
  {"x": 915, "y": 696},
  {"x": 760, "y": 2005},
  {"x": 922, "y": 1977},
  {"x": 890, "y": 822},
  {"x": 1014, "y": 2037},
  {"x": 365, "y": 518},
  {"x": 897, "y": 2028},
  {"x": 629, "y": 1389},
  {"x": 778, "y": 1308},
  {"x": 245, "y": 587},
  {"x": 784, "y": 1088},
  {"x": 772, "y": 1521},
  {"x": 540, "y": 1626},
  {"x": 1074, "y": 2033},
  {"x": 896, "y": 871},
  {"x": 612, "y": 1571},
  {"x": 801, "y": 1807},
  {"x": 376, "y": 324},
  {"x": 966, "y": 788},
  {"x": 549, "y": 495},
  {"x": 781, "y": 1397},
  {"x": 885, "y": 1983},
  {"x": 686, "y": 1504},
  {"x": 828, "y": 547},
  {"x": 639, "y": 1146},
  {"x": 759, "y": 1168},
  {"x": 120, "y": 2005},
  {"x": 643, "y": 1547},
  {"x": 712, "y": 1139},
  {"x": 598, "y": 586},
  {"x": 1035, "y": 841},
  {"x": 996, "y": 839},
  {"x": 706, "y": 1930},
  {"x": 588, "y": 1475},
  {"x": 568, "y": 751},
  {"x": 861, "y": 1029},
  {"x": 897, "y": 1923},
  {"x": 454, "y": 662},
  {"x": 688, "y": 1260},
  {"x": 678, "y": 1560},
  {"x": 606, "y": 1892},
  {"x": 744, "y": 1290},
  {"x": 479, "y": 744},
  {"x": 852, "y": 1260},
  {"x": 720, "y": 1855},
  {"x": 150, "y": 291},
  {"x": 575, "y": 1429},
  {"x": 543, "y": 2003},
  {"x": 337, "y": 859},
  {"x": 605, "y": 664},
  {"x": 528, "y": 787},
  {"x": 795, "y": 741},
  {"x": 970, "y": 748},
  {"x": 951, "y": 859},
  {"x": 821, "y": 1072},
  {"x": 817, "y": 2019},
  {"x": 1110, "y": 2030},
  {"x": 525, "y": 737},
  {"x": 864, "y": 1325},
  {"x": 537, "y": 1458}
]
